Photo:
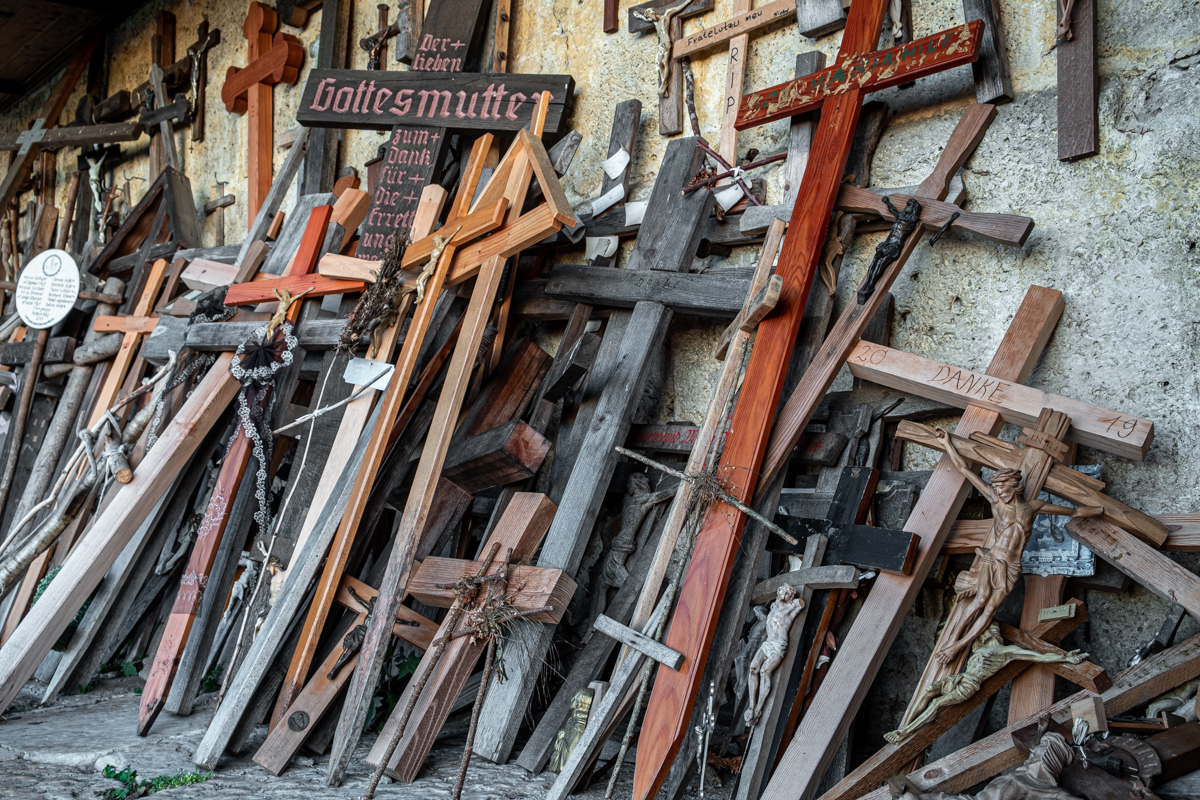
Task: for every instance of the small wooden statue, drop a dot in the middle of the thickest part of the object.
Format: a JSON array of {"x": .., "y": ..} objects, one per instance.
[
  {"x": 770, "y": 653},
  {"x": 989, "y": 655},
  {"x": 1036, "y": 779},
  {"x": 982, "y": 589},
  {"x": 572, "y": 729}
]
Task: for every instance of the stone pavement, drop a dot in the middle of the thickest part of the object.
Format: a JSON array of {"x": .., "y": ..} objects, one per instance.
[{"x": 59, "y": 752}]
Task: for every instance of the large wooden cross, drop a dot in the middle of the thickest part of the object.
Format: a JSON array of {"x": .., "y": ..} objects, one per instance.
[
  {"x": 611, "y": 394},
  {"x": 839, "y": 91},
  {"x": 508, "y": 185},
  {"x": 273, "y": 57}
]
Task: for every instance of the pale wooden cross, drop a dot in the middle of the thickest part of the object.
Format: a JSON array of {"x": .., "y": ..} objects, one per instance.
[
  {"x": 510, "y": 183},
  {"x": 271, "y": 60}
]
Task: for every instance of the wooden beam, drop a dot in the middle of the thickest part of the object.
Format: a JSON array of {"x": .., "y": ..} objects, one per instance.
[
  {"x": 1062, "y": 481},
  {"x": 1183, "y": 534},
  {"x": 534, "y": 586},
  {"x": 1146, "y": 565},
  {"x": 638, "y": 641},
  {"x": 1111, "y": 431}
]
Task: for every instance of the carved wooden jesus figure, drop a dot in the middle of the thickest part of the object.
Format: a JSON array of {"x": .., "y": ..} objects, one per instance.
[
  {"x": 982, "y": 589},
  {"x": 770, "y": 654},
  {"x": 989, "y": 655}
]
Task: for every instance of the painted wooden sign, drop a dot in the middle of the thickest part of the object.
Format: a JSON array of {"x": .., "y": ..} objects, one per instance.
[
  {"x": 382, "y": 100},
  {"x": 868, "y": 72}
]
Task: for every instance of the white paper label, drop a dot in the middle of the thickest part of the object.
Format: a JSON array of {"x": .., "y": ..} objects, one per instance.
[
  {"x": 47, "y": 289},
  {"x": 728, "y": 197},
  {"x": 605, "y": 202},
  {"x": 600, "y": 246},
  {"x": 615, "y": 164},
  {"x": 361, "y": 372},
  {"x": 634, "y": 212}
]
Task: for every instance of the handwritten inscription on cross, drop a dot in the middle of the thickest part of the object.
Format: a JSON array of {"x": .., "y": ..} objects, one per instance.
[{"x": 273, "y": 59}]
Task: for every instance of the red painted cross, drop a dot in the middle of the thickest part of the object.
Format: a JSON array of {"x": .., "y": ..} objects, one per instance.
[{"x": 839, "y": 91}]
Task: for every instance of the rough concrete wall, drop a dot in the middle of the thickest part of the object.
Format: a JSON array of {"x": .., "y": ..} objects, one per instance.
[{"x": 1116, "y": 233}]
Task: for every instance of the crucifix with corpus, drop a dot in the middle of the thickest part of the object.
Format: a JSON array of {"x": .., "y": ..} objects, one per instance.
[{"x": 838, "y": 91}]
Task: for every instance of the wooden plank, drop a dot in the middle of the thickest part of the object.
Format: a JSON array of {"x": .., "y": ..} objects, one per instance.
[
  {"x": 202, "y": 275},
  {"x": 651, "y": 648},
  {"x": 1087, "y": 675},
  {"x": 246, "y": 294},
  {"x": 816, "y": 18},
  {"x": 1062, "y": 481},
  {"x": 1111, "y": 431},
  {"x": 993, "y": 83},
  {"x": 533, "y": 586},
  {"x": 1146, "y": 565},
  {"x": 245, "y": 686},
  {"x": 1079, "y": 85},
  {"x": 1134, "y": 687},
  {"x": 739, "y": 25},
  {"x": 837, "y": 700},
  {"x": 1183, "y": 534},
  {"x": 130, "y": 324},
  {"x": 890, "y": 758},
  {"x": 870, "y": 71},
  {"x": 831, "y": 577},
  {"x": 719, "y": 292},
  {"x": 502, "y": 455},
  {"x": 320, "y": 165},
  {"x": 112, "y": 530}
]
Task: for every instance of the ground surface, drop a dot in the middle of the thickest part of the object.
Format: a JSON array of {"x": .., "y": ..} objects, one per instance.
[{"x": 59, "y": 752}]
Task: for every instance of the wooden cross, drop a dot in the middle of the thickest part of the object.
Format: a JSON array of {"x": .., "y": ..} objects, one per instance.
[
  {"x": 529, "y": 160},
  {"x": 584, "y": 467},
  {"x": 521, "y": 528},
  {"x": 216, "y": 516},
  {"x": 219, "y": 204},
  {"x": 1077, "y": 42},
  {"x": 271, "y": 60},
  {"x": 930, "y": 511},
  {"x": 840, "y": 100}
]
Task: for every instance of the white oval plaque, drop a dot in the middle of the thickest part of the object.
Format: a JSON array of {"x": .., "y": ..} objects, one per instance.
[{"x": 47, "y": 288}]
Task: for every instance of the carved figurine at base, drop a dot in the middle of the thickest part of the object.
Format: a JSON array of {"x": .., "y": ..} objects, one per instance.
[
  {"x": 572, "y": 729},
  {"x": 982, "y": 589},
  {"x": 989, "y": 655},
  {"x": 1035, "y": 779},
  {"x": 770, "y": 653}
]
